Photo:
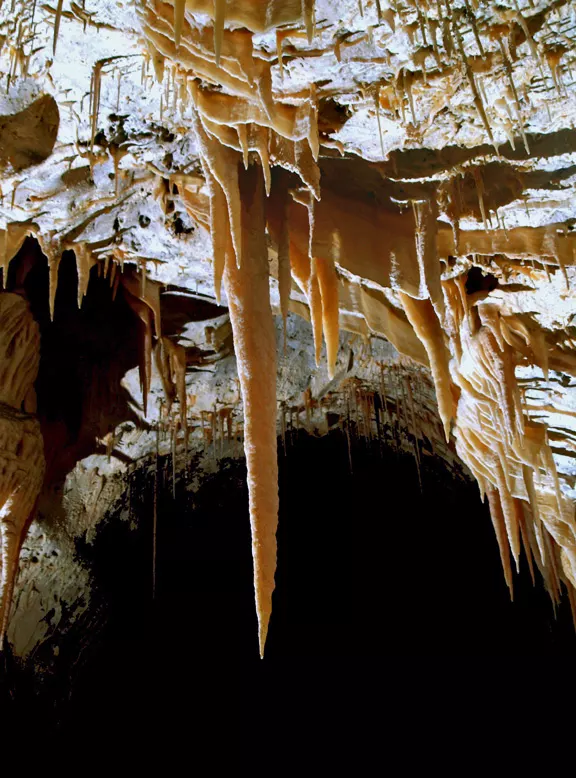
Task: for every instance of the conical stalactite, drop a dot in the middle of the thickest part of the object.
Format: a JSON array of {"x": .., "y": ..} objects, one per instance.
[
  {"x": 519, "y": 507},
  {"x": 179, "y": 14},
  {"x": 303, "y": 269},
  {"x": 328, "y": 285},
  {"x": 247, "y": 290},
  {"x": 57, "y": 21},
  {"x": 219, "y": 20},
  {"x": 500, "y": 531},
  {"x": 220, "y": 161},
  {"x": 423, "y": 318}
]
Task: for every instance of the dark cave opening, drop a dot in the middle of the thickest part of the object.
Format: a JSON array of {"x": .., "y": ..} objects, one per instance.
[{"x": 368, "y": 568}]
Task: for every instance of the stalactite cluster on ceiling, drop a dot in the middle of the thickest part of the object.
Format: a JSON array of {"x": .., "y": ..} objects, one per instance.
[{"x": 358, "y": 159}]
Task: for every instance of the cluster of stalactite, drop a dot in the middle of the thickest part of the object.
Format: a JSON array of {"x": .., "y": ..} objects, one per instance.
[
  {"x": 263, "y": 197},
  {"x": 260, "y": 162}
]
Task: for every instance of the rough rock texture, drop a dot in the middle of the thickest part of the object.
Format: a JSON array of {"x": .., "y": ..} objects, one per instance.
[
  {"x": 21, "y": 446},
  {"x": 418, "y": 162},
  {"x": 28, "y": 137}
]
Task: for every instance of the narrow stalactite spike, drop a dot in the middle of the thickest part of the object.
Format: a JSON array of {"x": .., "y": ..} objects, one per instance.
[
  {"x": 316, "y": 310},
  {"x": 516, "y": 100},
  {"x": 223, "y": 165},
  {"x": 509, "y": 511},
  {"x": 528, "y": 475},
  {"x": 347, "y": 430},
  {"x": 423, "y": 318},
  {"x": 243, "y": 140},
  {"x": 525, "y": 539},
  {"x": 473, "y": 86},
  {"x": 308, "y": 16},
  {"x": 279, "y": 39},
  {"x": 378, "y": 121},
  {"x": 57, "y": 20},
  {"x": 179, "y": 14},
  {"x": 480, "y": 192},
  {"x": 328, "y": 284},
  {"x": 84, "y": 262},
  {"x": 477, "y": 38},
  {"x": 53, "y": 267},
  {"x": 414, "y": 431},
  {"x": 247, "y": 290},
  {"x": 499, "y": 528},
  {"x": 552, "y": 469},
  {"x": 551, "y": 555},
  {"x": 219, "y": 21}
]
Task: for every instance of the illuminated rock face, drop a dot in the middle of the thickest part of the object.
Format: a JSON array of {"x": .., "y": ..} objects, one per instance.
[{"x": 401, "y": 172}]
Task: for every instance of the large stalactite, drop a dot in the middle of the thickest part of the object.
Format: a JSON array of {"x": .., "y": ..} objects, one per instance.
[{"x": 247, "y": 289}]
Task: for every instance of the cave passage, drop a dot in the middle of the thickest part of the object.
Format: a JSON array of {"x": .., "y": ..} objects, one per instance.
[{"x": 368, "y": 567}]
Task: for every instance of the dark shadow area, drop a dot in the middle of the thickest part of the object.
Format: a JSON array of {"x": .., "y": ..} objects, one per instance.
[
  {"x": 478, "y": 280},
  {"x": 85, "y": 352},
  {"x": 368, "y": 568},
  {"x": 498, "y": 183},
  {"x": 427, "y": 162},
  {"x": 180, "y": 307}
]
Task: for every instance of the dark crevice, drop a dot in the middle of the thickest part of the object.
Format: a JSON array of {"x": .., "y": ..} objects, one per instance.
[
  {"x": 478, "y": 280},
  {"x": 411, "y": 163}
]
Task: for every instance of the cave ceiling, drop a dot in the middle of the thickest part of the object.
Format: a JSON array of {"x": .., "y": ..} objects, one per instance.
[{"x": 271, "y": 187}]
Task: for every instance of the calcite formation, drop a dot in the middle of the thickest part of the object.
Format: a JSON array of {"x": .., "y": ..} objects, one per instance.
[{"x": 402, "y": 171}]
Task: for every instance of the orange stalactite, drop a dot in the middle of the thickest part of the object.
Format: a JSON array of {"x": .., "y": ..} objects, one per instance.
[
  {"x": 328, "y": 283},
  {"x": 247, "y": 290},
  {"x": 354, "y": 257}
]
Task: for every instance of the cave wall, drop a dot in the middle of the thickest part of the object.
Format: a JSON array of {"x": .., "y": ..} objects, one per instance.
[{"x": 399, "y": 176}]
